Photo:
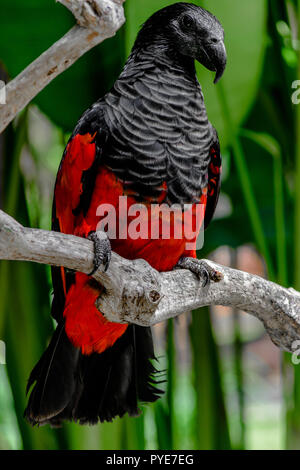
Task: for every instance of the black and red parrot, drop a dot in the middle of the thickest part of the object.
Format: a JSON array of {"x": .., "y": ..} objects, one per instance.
[{"x": 148, "y": 139}]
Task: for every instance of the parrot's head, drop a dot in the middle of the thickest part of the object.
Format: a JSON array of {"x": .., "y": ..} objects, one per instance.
[{"x": 188, "y": 30}]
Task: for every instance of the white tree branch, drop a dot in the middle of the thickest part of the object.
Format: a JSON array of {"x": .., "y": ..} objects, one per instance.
[
  {"x": 137, "y": 293},
  {"x": 97, "y": 20}
]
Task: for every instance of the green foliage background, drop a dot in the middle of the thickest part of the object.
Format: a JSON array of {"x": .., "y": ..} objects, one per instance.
[{"x": 258, "y": 127}]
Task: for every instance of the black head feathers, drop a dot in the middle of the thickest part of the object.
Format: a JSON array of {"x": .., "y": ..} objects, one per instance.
[{"x": 187, "y": 30}]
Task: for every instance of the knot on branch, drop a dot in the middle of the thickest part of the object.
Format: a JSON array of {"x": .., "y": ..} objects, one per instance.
[
  {"x": 9, "y": 234},
  {"x": 283, "y": 326},
  {"x": 97, "y": 14},
  {"x": 139, "y": 294}
]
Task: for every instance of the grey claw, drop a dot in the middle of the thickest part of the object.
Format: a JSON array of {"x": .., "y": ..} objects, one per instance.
[
  {"x": 206, "y": 279},
  {"x": 102, "y": 250},
  {"x": 202, "y": 270}
]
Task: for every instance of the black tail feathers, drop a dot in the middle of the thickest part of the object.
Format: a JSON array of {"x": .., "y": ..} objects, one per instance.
[{"x": 87, "y": 389}]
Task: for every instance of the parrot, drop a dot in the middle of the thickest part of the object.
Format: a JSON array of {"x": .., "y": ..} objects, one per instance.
[{"x": 148, "y": 140}]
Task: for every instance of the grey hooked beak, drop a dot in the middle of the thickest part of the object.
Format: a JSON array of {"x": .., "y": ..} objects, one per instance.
[
  {"x": 220, "y": 60},
  {"x": 212, "y": 54}
]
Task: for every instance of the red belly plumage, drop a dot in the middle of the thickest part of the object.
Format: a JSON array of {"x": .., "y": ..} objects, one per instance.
[{"x": 85, "y": 326}]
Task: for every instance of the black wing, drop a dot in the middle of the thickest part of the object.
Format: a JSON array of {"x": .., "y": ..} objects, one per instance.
[
  {"x": 73, "y": 191},
  {"x": 214, "y": 180}
]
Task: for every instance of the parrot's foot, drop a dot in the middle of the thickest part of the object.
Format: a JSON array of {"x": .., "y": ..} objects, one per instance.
[
  {"x": 203, "y": 270},
  {"x": 102, "y": 250}
]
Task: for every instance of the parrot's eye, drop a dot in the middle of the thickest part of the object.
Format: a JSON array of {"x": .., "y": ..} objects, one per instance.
[{"x": 187, "y": 22}]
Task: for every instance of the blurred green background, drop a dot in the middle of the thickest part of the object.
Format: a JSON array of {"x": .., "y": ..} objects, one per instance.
[{"x": 228, "y": 386}]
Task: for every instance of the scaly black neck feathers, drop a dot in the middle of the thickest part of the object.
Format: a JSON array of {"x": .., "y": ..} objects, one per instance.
[{"x": 159, "y": 127}]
